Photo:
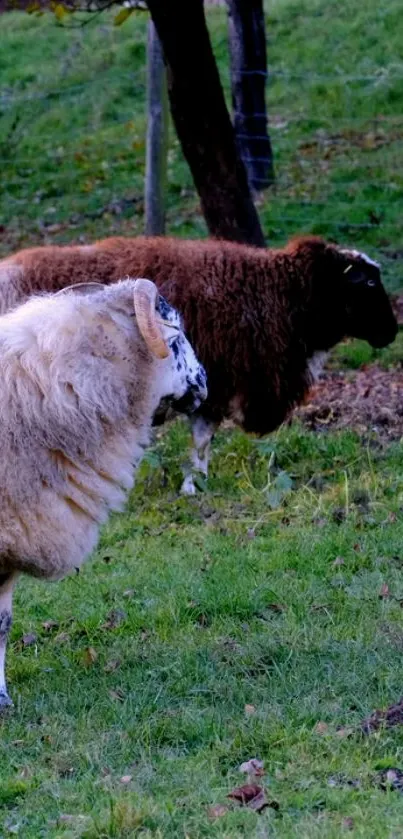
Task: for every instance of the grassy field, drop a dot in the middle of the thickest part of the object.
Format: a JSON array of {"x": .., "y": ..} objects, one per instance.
[
  {"x": 72, "y": 128},
  {"x": 264, "y": 617},
  {"x": 253, "y": 621}
]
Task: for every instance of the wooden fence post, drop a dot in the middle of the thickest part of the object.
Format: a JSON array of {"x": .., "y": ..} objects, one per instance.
[
  {"x": 247, "y": 39},
  {"x": 157, "y": 136}
]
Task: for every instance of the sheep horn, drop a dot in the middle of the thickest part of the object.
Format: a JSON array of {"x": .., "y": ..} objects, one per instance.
[
  {"x": 82, "y": 287},
  {"x": 145, "y": 295}
]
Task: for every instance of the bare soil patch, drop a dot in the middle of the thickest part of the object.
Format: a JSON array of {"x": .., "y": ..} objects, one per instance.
[{"x": 366, "y": 400}]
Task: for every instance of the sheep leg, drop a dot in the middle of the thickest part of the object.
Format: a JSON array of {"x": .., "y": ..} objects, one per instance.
[
  {"x": 203, "y": 431},
  {"x": 6, "y": 615}
]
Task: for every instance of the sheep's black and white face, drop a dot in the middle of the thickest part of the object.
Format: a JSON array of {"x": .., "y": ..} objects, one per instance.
[
  {"x": 185, "y": 382},
  {"x": 368, "y": 310}
]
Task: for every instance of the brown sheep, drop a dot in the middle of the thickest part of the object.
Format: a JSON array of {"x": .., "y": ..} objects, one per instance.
[{"x": 257, "y": 318}]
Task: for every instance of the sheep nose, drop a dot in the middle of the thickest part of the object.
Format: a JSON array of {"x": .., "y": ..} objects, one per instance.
[
  {"x": 196, "y": 393},
  {"x": 188, "y": 403}
]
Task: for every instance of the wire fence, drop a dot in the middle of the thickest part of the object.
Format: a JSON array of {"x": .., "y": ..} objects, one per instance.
[{"x": 72, "y": 150}]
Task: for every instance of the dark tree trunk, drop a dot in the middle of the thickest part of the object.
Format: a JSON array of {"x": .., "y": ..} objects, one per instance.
[
  {"x": 247, "y": 39},
  {"x": 202, "y": 121}
]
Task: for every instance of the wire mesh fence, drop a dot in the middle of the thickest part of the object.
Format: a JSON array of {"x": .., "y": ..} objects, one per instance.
[{"x": 73, "y": 128}]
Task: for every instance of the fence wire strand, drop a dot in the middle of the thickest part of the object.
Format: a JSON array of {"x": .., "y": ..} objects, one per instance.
[{"x": 363, "y": 144}]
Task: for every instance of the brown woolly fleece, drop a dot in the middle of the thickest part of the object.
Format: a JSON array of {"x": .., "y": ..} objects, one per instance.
[{"x": 255, "y": 317}]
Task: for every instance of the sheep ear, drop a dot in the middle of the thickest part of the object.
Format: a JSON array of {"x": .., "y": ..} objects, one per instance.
[{"x": 82, "y": 288}]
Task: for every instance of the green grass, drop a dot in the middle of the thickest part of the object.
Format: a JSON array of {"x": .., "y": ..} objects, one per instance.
[
  {"x": 233, "y": 598},
  {"x": 353, "y": 354},
  {"x": 72, "y": 128},
  {"x": 229, "y": 599}
]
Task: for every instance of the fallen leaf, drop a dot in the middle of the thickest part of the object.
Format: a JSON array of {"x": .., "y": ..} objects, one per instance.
[
  {"x": 252, "y": 796},
  {"x": 348, "y": 824},
  {"x": 203, "y": 620},
  {"x": 321, "y": 728},
  {"x": 258, "y": 805},
  {"x": 276, "y": 607},
  {"x": 338, "y": 562},
  {"x": 122, "y": 16},
  {"x": 338, "y": 515},
  {"x": 14, "y": 829},
  {"x": 342, "y": 781},
  {"x": 206, "y": 564},
  {"x": 394, "y": 778},
  {"x": 384, "y": 593},
  {"x": 28, "y": 640},
  {"x": 90, "y": 656},
  {"x": 67, "y": 818},
  {"x": 389, "y": 717},
  {"x": 49, "y": 625},
  {"x": 64, "y": 768},
  {"x": 369, "y": 399},
  {"x": 125, "y": 779},
  {"x": 54, "y": 228},
  {"x": 319, "y": 522},
  {"x": 390, "y": 779},
  {"x": 112, "y": 665},
  {"x": 259, "y": 802},
  {"x": 218, "y": 811},
  {"x": 345, "y": 731},
  {"x": 249, "y": 710},
  {"x": 114, "y": 619},
  {"x": 62, "y": 637},
  {"x": 130, "y": 592},
  {"x": 117, "y": 694},
  {"x": 252, "y": 766},
  {"x": 245, "y": 793}
]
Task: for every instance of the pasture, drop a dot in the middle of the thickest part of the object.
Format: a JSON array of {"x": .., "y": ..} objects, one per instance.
[{"x": 263, "y": 618}]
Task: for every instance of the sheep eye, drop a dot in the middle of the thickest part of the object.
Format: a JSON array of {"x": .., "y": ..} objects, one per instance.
[{"x": 371, "y": 283}]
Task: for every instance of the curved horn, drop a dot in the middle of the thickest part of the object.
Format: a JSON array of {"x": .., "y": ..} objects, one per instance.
[
  {"x": 82, "y": 287},
  {"x": 145, "y": 295}
]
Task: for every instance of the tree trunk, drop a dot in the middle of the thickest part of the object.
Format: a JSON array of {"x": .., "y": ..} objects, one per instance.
[
  {"x": 248, "y": 78},
  {"x": 202, "y": 121},
  {"x": 157, "y": 132}
]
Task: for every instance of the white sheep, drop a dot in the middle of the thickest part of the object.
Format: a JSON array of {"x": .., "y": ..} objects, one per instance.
[{"x": 81, "y": 378}]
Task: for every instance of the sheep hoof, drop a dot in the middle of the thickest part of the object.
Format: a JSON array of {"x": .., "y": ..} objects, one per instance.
[
  {"x": 5, "y": 702},
  {"x": 188, "y": 487}
]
